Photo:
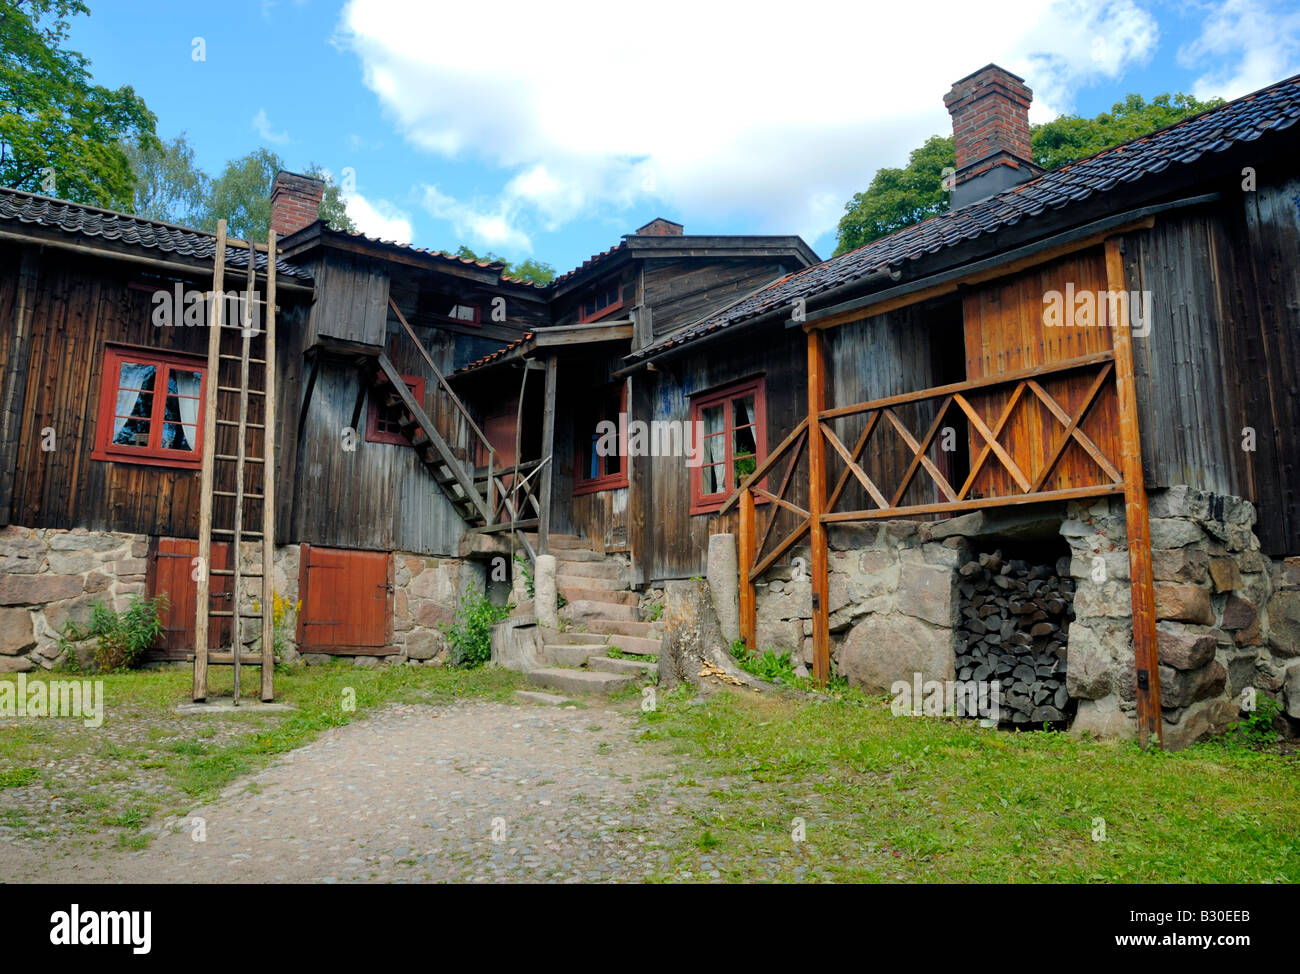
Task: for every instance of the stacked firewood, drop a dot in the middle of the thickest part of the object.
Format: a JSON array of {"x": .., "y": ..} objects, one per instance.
[{"x": 1015, "y": 617}]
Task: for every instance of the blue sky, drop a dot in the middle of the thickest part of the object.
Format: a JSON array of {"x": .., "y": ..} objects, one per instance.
[{"x": 546, "y": 130}]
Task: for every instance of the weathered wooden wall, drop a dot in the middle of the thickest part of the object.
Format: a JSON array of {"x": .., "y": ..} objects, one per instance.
[
  {"x": 80, "y": 304},
  {"x": 681, "y": 291}
]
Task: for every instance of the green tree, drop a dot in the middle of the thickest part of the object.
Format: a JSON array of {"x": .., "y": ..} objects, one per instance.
[
  {"x": 535, "y": 271},
  {"x": 899, "y": 198},
  {"x": 169, "y": 184},
  {"x": 242, "y": 196},
  {"x": 60, "y": 133}
]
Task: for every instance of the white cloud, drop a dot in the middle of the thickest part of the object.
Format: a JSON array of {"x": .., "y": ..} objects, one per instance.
[
  {"x": 495, "y": 228},
  {"x": 1258, "y": 40},
  {"x": 770, "y": 113},
  {"x": 262, "y": 125},
  {"x": 379, "y": 218}
]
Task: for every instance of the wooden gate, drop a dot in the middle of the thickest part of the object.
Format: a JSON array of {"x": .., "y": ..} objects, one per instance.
[{"x": 347, "y": 602}]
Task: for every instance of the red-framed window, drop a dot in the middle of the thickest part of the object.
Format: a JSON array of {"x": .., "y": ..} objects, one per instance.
[
  {"x": 599, "y": 467},
  {"x": 151, "y": 407},
  {"x": 384, "y": 422},
  {"x": 732, "y": 424},
  {"x": 467, "y": 314},
  {"x": 600, "y": 301}
]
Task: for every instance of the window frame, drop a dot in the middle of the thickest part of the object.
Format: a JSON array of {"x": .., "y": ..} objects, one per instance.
[
  {"x": 164, "y": 361},
  {"x": 374, "y": 407},
  {"x": 585, "y": 485},
  {"x": 608, "y": 309},
  {"x": 702, "y": 503}
]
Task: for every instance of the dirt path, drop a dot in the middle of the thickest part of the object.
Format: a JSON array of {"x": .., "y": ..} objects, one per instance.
[{"x": 472, "y": 792}]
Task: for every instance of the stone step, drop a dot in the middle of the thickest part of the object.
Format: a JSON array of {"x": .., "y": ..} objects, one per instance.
[
  {"x": 589, "y": 569},
  {"x": 624, "y": 628},
  {"x": 634, "y": 668},
  {"x": 538, "y": 696},
  {"x": 570, "y": 638},
  {"x": 570, "y": 654},
  {"x": 585, "y": 611},
  {"x": 638, "y": 645},
  {"x": 578, "y": 681},
  {"x": 561, "y": 542},
  {"x": 574, "y": 556},
  {"x": 591, "y": 582},
  {"x": 595, "y": 595}
]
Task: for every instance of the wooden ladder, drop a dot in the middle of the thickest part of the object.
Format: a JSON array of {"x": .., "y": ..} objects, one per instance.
[{"x": 233, "y": 475}]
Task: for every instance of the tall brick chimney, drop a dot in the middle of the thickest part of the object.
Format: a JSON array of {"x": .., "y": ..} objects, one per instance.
[
  {"x": 990, "y": 128},
  {"x": 295, "y": 202}
]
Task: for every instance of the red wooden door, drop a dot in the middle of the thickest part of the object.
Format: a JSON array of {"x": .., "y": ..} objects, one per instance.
[
  {"x": 170, "y": 573},
  {"x": 347, "y": 601}
]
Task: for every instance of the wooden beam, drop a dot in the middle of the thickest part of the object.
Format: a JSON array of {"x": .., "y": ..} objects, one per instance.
[
  {"x": 13, "y": 385},
  {"x": 548, "y": 449},
  {"x": 745, "y": 552},
  {"x": 761, "y": 471},
  {"x": 1146, "y": 658},
  {"x": 816, "y": 505},
  {"x": 202, "y": 596},
  {"x": 956, "y": 507},
  {"x": 268, "y": 485},
  {"x": 581, "y": 334}
]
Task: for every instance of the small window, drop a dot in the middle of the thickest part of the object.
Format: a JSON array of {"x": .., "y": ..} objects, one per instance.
[
  {"x": 602, "y": 458},
  {"x": 151, "y": 407},
  {"x": 464, "y": 312},
  {"x": 601, "y": 301},
  {"x": 732, "y": 424},
  {"x": 384, "y": 422}
]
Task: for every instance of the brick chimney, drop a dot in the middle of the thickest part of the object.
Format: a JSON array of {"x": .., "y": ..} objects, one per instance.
[
  {"x": 659, "y": 227},
  {"x": 295, "y": 202},
  {"x": 990, "y": 128}
]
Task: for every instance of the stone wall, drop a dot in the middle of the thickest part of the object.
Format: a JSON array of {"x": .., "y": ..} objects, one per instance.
[
  {"x": 1229, "y": 618},
  {"x": 49, "y": 577}
]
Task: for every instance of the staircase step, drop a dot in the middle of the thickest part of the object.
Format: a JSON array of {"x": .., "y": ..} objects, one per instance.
[
  {"x": 574, "y": 638},
  {"x": 561, "y": 541},
  {"x": 571, "y": 654},
  {"x": 588, "y": 595},
  {"x": 590, "y": 582},
  {"x": 578, "y": 681},
  {"x": 584, "y": 609},
  {"x": 624, "y": 628},
  {"x": 633, "y": 668},
  {"x": 612, "y": 570},
  {"x": 635, "y": 644},
  {"x": 568, "y": 556}
]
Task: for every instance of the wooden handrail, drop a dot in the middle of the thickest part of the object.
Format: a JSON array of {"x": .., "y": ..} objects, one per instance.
[
  {"x": 762, "y": 469},
  {"x": 1068, "y": 365}
]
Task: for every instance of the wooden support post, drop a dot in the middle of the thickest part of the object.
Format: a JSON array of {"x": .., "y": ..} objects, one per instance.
[
  {"x": 817, "y": 506},
  {"x": 202, "y": 597},
  {"x": 1141, "y": 582},
  {"x": 13, "y": 383},
  {"x": 548, "y": 448},
  {"x": 745, "y": 562},
  {"x": 268, "y": 483}
]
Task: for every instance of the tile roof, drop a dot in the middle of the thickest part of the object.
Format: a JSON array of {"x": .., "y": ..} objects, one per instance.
[
  {"x": 440, "y": 254},
  {"x": 593, "y": 259},
  {"x": 1243, "y": 120},
  {"x": 91, "y": 221},
  {"x": 493, "y": 356}
]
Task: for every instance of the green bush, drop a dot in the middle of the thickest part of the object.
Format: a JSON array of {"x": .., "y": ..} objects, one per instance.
[
  {"x": 123, "y": 637},
  {"x": 470, "y": 634},
  {"x": 1257, "y": 729}
]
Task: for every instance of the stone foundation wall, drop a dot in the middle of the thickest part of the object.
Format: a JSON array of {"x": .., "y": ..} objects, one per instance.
[
  {"x": 49, "y": 577},
  {"x": 1229, "y": 618}
]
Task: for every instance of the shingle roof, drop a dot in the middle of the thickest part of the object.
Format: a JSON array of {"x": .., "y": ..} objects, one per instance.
[
  {"x": 91, "y": 221},
  {"x": 1243, "y": 120},
  {"x": 493, "y": 356}
]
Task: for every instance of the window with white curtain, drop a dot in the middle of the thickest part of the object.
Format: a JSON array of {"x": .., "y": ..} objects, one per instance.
[{"x": 151, "y": 407}]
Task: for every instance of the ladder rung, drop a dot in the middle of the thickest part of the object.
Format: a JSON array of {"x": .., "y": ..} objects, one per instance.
[
  {"x": 231, "y": 493},
  {"x": 249, "y": 534},
  {"x": 227, "y": 613},
  {"x": 228, "y": 659},
  {"x": 231, "y": 571},
  {"x": 232, "y": 457},
  {"x": 240, "y": 358},
  {"x": 251, "y": 392},
  {"x": 207, "y": 296},
  {"x": 235, "y": 422}
]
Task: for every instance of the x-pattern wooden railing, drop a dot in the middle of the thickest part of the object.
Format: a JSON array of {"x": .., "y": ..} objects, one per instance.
[{"x": 883, "y": 413}]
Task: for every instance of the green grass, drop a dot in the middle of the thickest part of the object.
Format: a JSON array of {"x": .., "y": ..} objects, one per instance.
[
  {"x": 889, "y": 798},
  {"x": 144, "y": 741}
]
